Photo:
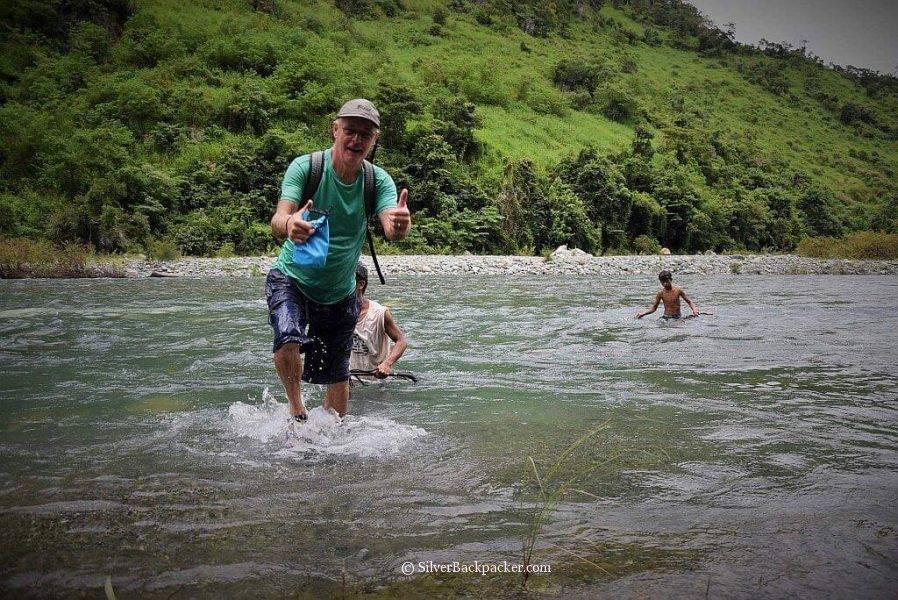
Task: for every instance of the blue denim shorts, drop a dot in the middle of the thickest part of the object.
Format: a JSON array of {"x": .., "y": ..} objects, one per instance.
[{"x": 323, "y": 331}]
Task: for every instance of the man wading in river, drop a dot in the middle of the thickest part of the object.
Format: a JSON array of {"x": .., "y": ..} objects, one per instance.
[{"x": 313, "y": 309}]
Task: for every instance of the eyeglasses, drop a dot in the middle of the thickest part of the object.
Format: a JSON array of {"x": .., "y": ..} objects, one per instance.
[{"x": 366, "y": 135}]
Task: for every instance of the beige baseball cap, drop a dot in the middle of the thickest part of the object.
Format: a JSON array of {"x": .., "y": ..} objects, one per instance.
[{"x": 360, "y": 108}]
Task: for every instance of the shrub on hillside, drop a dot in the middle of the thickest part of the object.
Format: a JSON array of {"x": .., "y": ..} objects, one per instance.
[
  {"x": 619, "y": 105},
  {"x": 125, "y": 98},
  {"x": 241, "y": 53},
  {"x": 546, "y": 101},
  {"x": 24, "y": 213},
  {"x": 647, "y": 217},
  {"x": 855, "y": 113},
  {"x": 53, "y": 79},
  {"x": 570, "y": 75},
  {"x": 601, "y": 186},
  {"x": 886, "y": 218},
  {"x": 147, "y": 42},
  {"x": 25, "y": 141},
  {"x": 645, "y": 244},
  {"x": 78, "y": 160},
  {"x": 191, "y": 106},
  {"x": 397, "y": 105},
  {"x": 651, "y": 37},
  {"x": 250, "y": 110},
  {"x": 871, "y": 245},
  {"x": 817, "y": 247},
  {"x": 21, "y": 258},
  {"x": 770, "y": 76},
  {"x": 256, "y": 239},
  {"x": 702, "y": 232},
  {"x": 355, "y": 8},
  {"x": 162, "y": 249},
  {"x": 818, "y": 210},
  {"x": 90, "y": 40},
  {"x": 196, "y": 234}
]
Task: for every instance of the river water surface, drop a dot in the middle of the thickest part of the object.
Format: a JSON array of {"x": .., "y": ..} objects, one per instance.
[{"x": 749, "y": 453}]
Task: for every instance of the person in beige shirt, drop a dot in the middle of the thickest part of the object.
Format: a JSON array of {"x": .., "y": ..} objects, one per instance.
[{"x": 377, "y": 342}]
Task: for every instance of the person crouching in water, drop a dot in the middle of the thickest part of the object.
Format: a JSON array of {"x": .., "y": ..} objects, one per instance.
[
  {"x": 377, "y": 342},
  {"x": 670, "y": 295}
]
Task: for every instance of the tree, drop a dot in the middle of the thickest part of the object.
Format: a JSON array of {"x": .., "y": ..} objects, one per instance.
[
  {"x": 886, "y": 218},
  {"x": 522, "y": 204},
  {"x": 568, "y": 222},
  {"x": 818, "y": 211},
  {"x": 602, "y": 187},
  {"x": 456, "y": 123},
  {"x": 647, "y": 217},
  {"x": 642, "y": 142},
  {"x": 430, "y": 177},
  {"x": 397, "y": 106},
  {"x": 748, "y": 223}
]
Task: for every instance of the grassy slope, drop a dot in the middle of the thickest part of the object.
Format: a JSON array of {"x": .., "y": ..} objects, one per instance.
[
  {"x": 796, "y": 130},
  {"x": 489, "y": 66},
  {"x": 801, "y": 132}
]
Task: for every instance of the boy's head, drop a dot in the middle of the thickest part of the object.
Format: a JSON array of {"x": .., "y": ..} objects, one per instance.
[{"x": 665, "y": 277}]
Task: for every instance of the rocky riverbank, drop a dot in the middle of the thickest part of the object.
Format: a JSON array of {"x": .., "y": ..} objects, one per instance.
[{"x": 560, "y": 263}]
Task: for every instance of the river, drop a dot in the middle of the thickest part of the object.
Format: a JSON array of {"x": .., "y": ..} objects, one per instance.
[{"x": 749, "y": 453}]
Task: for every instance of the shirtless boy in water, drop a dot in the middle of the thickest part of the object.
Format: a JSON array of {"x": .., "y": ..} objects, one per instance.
[{"x": 670, "y": 295}]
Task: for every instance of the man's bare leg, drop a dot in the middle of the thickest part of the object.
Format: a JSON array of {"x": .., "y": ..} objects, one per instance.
[
  {"x": 337, "y": 397},
  {"x": 288, "y": 363}
]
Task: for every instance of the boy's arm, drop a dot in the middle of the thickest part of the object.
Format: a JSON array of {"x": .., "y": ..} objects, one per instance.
[
  {"x": 689, "y": 302},
  {"x": 399, "y": 344},
  {"x": 652, "y": 309}
]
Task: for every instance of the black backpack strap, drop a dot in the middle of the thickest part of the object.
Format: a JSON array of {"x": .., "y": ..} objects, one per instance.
[
  {"x": 316, "y": 168},
  {"x": 370, "y": 188}
]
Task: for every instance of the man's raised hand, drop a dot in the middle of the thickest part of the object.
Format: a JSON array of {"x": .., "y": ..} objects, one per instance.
[
  {"x": 298, "y": 230},
  {"x": 400, "y": 217}
]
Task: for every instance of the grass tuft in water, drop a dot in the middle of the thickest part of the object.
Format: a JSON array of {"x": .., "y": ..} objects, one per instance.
[{"x": 551, "y": 487}]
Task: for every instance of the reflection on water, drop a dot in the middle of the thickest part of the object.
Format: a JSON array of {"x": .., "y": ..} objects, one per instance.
[{"x": 144, "y": 437}]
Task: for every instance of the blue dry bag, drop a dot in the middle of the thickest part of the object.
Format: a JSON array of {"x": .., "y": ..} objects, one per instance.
[{"x": 313, "y": 252}]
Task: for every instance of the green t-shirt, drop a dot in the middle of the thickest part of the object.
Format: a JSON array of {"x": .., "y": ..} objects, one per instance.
[{"x": 346, "y": 205}]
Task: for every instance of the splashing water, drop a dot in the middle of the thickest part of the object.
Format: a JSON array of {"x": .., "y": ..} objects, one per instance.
[{"x": 323, "y": 433}]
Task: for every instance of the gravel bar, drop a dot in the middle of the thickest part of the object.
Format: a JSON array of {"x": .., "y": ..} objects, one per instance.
[{"x": 564, "y": 263}]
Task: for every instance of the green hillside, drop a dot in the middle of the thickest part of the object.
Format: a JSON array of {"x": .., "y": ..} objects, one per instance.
[{"x": 623, "y": 126}]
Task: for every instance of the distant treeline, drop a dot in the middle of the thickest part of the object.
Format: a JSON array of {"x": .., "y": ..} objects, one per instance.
[{"x": 129, "y": 129}]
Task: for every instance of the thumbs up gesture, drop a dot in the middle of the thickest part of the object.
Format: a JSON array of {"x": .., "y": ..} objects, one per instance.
[
  {"x": 400, "y": 219},
  {"x": 299, "y": 230}
]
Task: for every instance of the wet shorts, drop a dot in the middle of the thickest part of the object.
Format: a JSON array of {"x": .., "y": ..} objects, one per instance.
[
  {"x": 671, "y": 317},
  {"x": 323, "y": 331}
]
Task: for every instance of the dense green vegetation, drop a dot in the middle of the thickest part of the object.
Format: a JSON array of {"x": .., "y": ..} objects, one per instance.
[{"x": 516, "y": 126}]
